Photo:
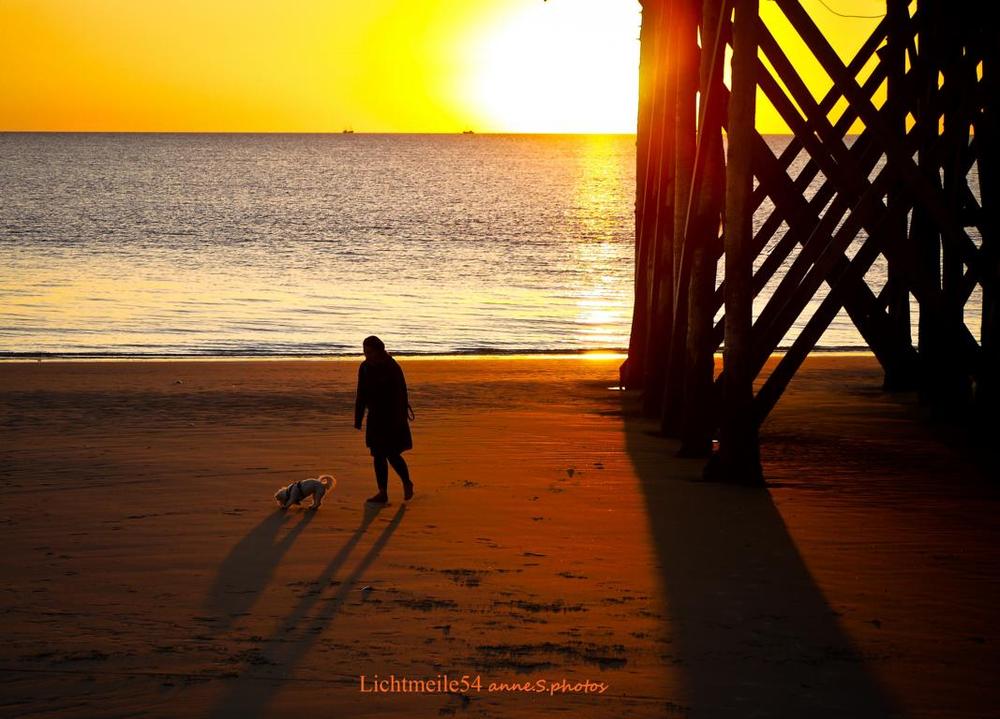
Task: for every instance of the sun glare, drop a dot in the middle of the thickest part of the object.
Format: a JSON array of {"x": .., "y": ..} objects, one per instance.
[{"x": 557, "y": 66}]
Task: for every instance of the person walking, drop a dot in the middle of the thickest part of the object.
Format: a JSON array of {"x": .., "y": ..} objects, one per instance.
[{"x": 382, "y": 392}]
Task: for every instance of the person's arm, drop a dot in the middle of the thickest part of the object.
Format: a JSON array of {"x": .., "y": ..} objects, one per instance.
[
  {"x": 401, "y": 388},
  {"x": 402, "y": 383},
  {"x": 360, "y": 400}
]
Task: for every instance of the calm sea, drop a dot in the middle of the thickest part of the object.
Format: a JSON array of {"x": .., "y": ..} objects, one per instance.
[{"x": 161, "y": 244}]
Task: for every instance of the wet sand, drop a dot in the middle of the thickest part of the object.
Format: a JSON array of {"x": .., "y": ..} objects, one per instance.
[{"x": 147, "y": 571}]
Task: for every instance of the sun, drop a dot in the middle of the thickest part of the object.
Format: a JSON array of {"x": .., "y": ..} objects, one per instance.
[{"x": 562, "y": 66}]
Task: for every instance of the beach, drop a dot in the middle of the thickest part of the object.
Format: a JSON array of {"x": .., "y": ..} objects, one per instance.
[{"x": 554, "y": 543}]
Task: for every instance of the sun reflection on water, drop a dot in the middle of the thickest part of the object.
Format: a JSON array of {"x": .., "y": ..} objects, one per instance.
[{"x": 603, "y": 301}]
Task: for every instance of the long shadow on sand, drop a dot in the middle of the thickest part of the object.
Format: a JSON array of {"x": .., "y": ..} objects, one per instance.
[
  {"x": 752, "y": 635},
  {"x": 248, "y": 567},
  {"x": 250, "y": 695}
]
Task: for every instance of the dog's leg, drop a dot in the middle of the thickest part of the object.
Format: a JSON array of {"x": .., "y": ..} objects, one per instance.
[{"x": 318, "y": 497}]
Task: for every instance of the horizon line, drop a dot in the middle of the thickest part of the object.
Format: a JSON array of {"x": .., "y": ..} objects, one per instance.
[
  {"x": 327, "y": 132},
  {"x": 305, "y": 132}
]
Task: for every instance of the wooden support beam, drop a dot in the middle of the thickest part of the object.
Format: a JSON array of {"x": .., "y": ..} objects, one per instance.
[
  {"x": 782, "y": 374},
  {"x": 898, "y": 377},
  {"x": 787, "y": 298},
  {"x": 873, "y": 125},
  {"x": 779, "y": 314},
  {"x": 827, "y": 189},
  {"x": 823, "y": 143},
  {"x": 808, "y": 173},
  {"x": 790, "y": 298},
  {"x": 924, "y": 237},
  {"x": 633, "y": 369},
  {"x": 848, "y": 172},
  {"x": 824, "y": 194},
  {"x": 957, "y": 92},
  {"x": 778, "y": 379},
  {"x": 662, "y": 207},
  {"x": 987, "y": 144},
  {"x": 938, "y": 263},
  {"x": 863, "y": 307},
  {"x": 815, "y": 263},
  {"x": 933, "y": 258},
  {"x": 703, "y": 243},
  {"x": 685, "y": 63},
  {"x": 833, "y": 95},
  {"x": 738, "y": 459},
  {"x": 925, "y": 192},
  {"x": 651, "y": 145}
]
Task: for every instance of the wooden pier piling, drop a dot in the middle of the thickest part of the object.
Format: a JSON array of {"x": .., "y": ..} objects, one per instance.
[{"x": 913, "y": 191}]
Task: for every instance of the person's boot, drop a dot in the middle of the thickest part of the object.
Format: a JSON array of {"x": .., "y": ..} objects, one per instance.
[
  {"x": 380, "y": 498},
  {"x": 407, "y": 490}
]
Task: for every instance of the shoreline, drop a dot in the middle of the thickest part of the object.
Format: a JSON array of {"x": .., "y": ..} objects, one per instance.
[{"x": 588, "y": 354}]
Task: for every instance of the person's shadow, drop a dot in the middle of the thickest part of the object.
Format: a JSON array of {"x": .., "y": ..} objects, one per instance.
[
  {"x": 249, "y": 696},
  {"x": 247, "y": 569},
  {"x": 751, "y": 633}
]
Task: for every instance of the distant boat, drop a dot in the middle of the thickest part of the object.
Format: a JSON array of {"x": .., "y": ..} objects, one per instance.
[
  {"x": 468, "y": 132},
  {"x": 348, "y": 132}
]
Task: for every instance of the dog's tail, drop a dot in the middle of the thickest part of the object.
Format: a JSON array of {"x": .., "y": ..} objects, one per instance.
[{"x": 328, "y": 481}]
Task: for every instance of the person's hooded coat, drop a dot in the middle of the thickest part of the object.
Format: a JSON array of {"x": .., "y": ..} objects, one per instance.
[{"x": 382, "y": 391}]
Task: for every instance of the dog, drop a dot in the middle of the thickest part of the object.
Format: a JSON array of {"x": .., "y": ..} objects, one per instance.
[{"x": 297, "y": 491}]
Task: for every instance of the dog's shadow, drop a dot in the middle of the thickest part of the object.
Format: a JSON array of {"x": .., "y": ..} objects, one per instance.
[
  {"x": 250, "y": 695},
  {"x": 247, "y": 569}
]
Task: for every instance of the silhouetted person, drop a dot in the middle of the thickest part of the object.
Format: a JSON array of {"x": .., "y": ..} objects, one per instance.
[{"x": 382, "y": 391}]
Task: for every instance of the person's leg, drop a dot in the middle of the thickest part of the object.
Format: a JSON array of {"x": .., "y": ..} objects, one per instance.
[
  {"x": 399, "y": 464},
  {"x": 381, "y": 478}
]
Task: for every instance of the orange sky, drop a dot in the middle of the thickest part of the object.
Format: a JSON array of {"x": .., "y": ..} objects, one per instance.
[{"x": 328, "y": 65}]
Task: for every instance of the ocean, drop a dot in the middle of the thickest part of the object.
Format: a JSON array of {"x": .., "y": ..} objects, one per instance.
[{"x": 299, "y": 245}]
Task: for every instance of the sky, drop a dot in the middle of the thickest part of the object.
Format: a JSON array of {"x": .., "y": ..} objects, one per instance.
[{"x": 330, "y": 65}]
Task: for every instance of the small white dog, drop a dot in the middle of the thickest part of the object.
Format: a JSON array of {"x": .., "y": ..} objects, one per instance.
[{"x": 297, "y": 491}]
